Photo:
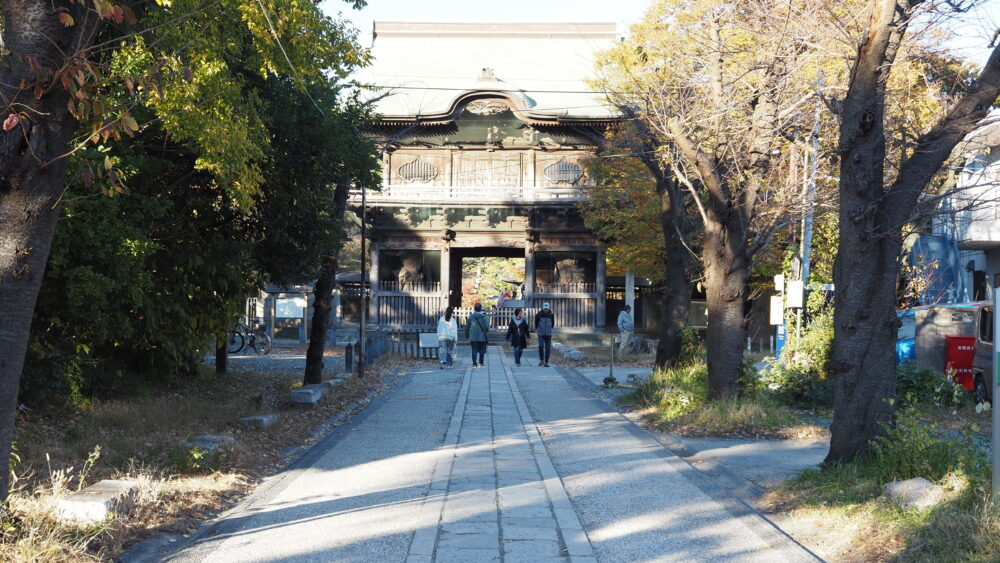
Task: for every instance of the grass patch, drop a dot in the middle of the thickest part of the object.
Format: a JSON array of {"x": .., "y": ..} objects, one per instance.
[
  {"x": 678, "y": 399},
  {"x": 142, "y": 440},
  {"x": 846, "y": 501}
]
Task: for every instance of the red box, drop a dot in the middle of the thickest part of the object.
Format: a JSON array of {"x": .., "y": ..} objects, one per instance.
[{"x": 958, "y": 354}]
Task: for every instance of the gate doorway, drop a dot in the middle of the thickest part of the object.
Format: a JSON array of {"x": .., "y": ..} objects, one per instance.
[{"x": 480, "y": 275}]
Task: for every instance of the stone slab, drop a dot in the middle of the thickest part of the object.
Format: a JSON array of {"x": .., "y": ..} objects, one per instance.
[
  {"x": 98, "y": 502},
  {"x": 262, "y": 422},
  {"x": 310, "y": 395}
]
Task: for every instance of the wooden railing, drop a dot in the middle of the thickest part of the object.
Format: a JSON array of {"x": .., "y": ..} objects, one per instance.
[
  {"x": 498, "y": 318},
  {"x": 430, "y": 194},
  {"x": 566, "y": 287}
]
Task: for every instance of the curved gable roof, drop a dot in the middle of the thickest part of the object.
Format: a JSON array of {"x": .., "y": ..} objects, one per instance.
[{"x": 424, "y": 71}]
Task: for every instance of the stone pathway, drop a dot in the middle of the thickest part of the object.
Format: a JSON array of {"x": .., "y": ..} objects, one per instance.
[
  {"x": 498, "y": 497},
  {"x": 492, "y": 464}
]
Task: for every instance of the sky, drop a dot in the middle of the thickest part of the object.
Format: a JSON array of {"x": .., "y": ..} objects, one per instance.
[
  {"x": 505, "y": 11},
  {"x": 970, "y": 33}
]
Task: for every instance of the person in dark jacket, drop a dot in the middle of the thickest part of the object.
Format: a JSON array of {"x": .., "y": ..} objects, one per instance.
[
  {"x": 545, "y": 321},
  {"x": 518, "y": 335},
  {"x": 477, "y": 326}
]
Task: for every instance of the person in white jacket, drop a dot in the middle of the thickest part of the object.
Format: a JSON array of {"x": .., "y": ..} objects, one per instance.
[{"x": 447, "y": 337}]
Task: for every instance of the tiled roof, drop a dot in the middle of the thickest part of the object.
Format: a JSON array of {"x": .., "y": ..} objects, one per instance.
[{"x": 541, "y": 67}]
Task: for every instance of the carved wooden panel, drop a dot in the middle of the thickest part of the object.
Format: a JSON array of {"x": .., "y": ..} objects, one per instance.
[
  {"x": 418, "y": 171},
  {"x": 563, "y": 172}
]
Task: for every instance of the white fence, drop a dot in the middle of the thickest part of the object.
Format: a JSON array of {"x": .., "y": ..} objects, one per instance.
[{"x": 431, "y": 194}]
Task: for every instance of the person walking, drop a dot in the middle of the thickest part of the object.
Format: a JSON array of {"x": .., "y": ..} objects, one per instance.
[
  {"x": 447, "y": 337},
  {"x": 545, "y": 321},
  {"x": 626, "y": 326},
  {"x": 518, "y": 335},
  {"x": 476, "y": 329}
]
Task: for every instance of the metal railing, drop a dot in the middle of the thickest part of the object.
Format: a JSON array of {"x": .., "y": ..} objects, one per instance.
[{"x": 382, "y": 341}]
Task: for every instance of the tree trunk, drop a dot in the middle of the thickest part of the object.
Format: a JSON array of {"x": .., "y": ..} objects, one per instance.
[
  {"x": 727, "y": 269},
  {"x": 32, "y": 179},
  {"x": 872, "y": 217},
  {"x": 322, "y": 307},
  {"x": 678, "y": 283},
  {"x": 221, "y": 354}
]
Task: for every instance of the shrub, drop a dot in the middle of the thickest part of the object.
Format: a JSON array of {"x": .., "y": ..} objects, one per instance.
[
  {"x": 801, "y": 378},
  {"x": 796, "y": 384},
  {"x": 692, "y": 347},
  {"x": 911, "y": 448},
  {"x": 922, "y": 386},
  {"x": 812, "y": 349},
  {"x": 674, "y": 391}
]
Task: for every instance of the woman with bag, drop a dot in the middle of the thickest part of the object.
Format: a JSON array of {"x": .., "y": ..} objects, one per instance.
[
  {"x": 518, "y": 335},
  {"x": 447, "y": 337}
]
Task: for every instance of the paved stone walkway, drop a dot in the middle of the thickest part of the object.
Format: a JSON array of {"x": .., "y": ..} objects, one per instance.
[
  {"x": 500, "y": 463},
  {"x": 498, "y": 496}
]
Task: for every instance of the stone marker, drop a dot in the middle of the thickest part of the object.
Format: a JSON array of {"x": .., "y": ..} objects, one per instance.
[
  {"x": 262, "y": 422},
  {"x": 210, "y": 442},
  {"x": 914, "y": 493},
  {"x": 98, "y": 501},
  {"x": 310, "y": 395}
]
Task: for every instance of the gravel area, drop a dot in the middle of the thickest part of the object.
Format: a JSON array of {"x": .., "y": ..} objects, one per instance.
[{"x": 284, "y": 359}]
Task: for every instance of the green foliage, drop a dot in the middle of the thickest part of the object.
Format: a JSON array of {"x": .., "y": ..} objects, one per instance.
[
  {"x": 675, "y": 391},
  {"x": 316, "y": 158},
  {"x": 692, "y": 347},
  {"x": 192, "y": 459},
  {"x": 626, "y": 211},
  {"x": 801, "y": 378},
  {"x": 912, "y": 448},
  {"x": 492, "y": 272},
  {"x": 680, "y": 396},
  {"x": 922, "y": 386},
  {"x": 233, "y": 173},
  {"x": 137, "y": 283}
]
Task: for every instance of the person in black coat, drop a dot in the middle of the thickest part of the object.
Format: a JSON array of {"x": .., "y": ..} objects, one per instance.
[{"x": 518, "y": 335}]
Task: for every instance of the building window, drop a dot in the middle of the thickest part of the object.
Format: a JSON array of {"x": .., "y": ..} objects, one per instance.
[
  {"x": 418, "y": 171},
  {"x": 563, "y": 172}
]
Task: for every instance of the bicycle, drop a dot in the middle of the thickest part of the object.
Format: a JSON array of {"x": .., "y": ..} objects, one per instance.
[{"x": 242, "y": 336}]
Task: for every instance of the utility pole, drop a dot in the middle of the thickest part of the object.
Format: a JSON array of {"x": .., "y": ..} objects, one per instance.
[
  {"x": 360, "y": 355},
  {"x": 807, "y": 219}
]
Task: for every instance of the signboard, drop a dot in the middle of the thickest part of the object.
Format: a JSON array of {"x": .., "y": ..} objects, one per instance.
[
  {"x": 777, "y": 310},
  {"x": 289, "y": 307},
  {"x": 794, "y": 294},
  {"x": 428, "y": 340}
]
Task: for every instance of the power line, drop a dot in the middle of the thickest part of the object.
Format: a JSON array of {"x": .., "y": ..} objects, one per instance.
[{"x": 295, "y": 73}]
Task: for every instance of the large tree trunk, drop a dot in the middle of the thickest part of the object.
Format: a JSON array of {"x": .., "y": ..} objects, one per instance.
[
  {"x": 32, "y": 179},
  {"x": 678, "y": 282},
  {"x": 872, "y": 217},
  {"x": 322, "y": 307},
  {"x": 727, "y": 269}
]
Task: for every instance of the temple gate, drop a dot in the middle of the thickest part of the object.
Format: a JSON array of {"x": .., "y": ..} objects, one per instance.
[{"x": 485, "y": 170}]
